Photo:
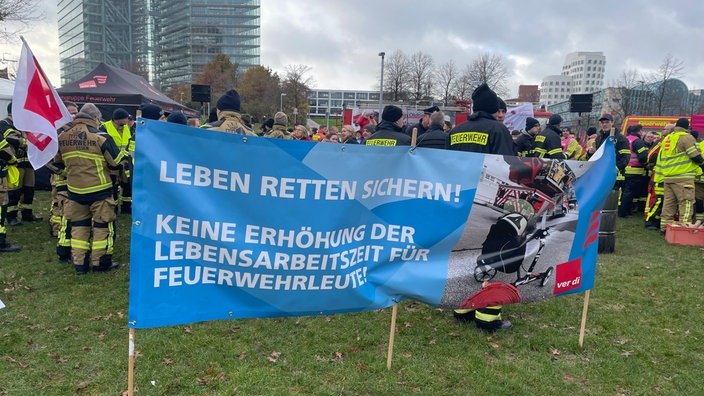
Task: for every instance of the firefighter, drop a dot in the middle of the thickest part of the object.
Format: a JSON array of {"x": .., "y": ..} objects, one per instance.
[
  {"x": 87, "y": 159},
  {"x": 482, "y": 132},
  {"x": 525, "y": 143},
  {"x": 389, "y": 132},
  {"x": 7, "y": 161},
  {"x": 119, "y": 130},
  {"x": 229, "y": 117},
  {"x": 21, "y": 197},
  {"x": 548, "y": 143},
  {"x": 653, "y": 204},
  {"x": 679, "y": 160},
  {"x": 635, "y": 182},
  {"x": 623, "y": 152}
]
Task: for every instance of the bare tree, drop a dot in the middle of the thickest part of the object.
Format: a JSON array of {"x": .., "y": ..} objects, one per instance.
[
  {"x": 21, "y": 11},
  {"x": 463, "y": 86},
  {"x": 446, "y": 77},
  {"x": 629, "y": 98},
  {"x": 396, "y": 76},
  {"x": 296, "y": 85},
  {"x": 490, "y": 69},
  {"x": 421, "y": 68},
  {"x": 667, "y": 92}
]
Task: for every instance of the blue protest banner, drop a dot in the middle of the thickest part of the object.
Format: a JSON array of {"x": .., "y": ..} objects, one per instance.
[{"x": 230, "y": 226}]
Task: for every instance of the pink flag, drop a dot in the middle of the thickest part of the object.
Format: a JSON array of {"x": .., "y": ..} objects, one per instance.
[{"x": 37, "y": 109}]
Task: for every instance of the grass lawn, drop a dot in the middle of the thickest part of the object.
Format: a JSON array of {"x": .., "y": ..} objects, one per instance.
[{"x": 62, "y": 334}]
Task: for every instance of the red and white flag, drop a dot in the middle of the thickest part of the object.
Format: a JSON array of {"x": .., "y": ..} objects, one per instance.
[{"x": 37, "y": 109}]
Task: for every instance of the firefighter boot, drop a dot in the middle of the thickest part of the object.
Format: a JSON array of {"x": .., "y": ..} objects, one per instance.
[
  {"x": 6, "y": 247},
  {"x": 105, "y": 264},
  {"x": 27, "y": 215}
]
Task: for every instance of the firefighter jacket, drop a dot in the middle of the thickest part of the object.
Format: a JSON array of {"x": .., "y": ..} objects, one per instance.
[
  {"x": 621, "y": 145},
  {"x": 525, "y": 144},
  {"x": 388, "y": 134},
  {"x": 548, "y": 143},
  {"x": 572, "y": 149},
  {"x": 638, "y": 157},
  {"x": 481, "y": 133},
  {"x": 679, "y": 158},
  {"x": 278, "y": 132},
  {"x": 231, "y": 122},
  {"x": 87, "y": 159},
  {"x": 17, "y": 142}
]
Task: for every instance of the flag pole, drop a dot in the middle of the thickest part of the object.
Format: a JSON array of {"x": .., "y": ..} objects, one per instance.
[
  {"x": 390, "y": 353},
  {"x": 130, "y": 365},
  {"x": 584, "y": 318},
  {"x": 394, "y": 310}
]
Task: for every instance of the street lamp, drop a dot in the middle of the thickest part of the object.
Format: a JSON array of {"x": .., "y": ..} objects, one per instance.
[
  {"x": 381, "y": 84},
  {"x": 281, "y": 103}
]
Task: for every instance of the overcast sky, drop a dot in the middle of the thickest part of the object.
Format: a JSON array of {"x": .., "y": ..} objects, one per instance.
[{"x": 340, "y": 40}]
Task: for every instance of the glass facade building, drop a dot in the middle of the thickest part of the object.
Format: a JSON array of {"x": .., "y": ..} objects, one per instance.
[
  {"x": 188, "y": 33},
  {"x": 166, "y": 41},
  {"x": 331, "y": 102},
  {"x": 95, "y": 31}
]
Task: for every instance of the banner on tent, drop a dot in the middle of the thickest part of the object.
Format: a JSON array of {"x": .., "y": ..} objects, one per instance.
[{"x": 229, "y": 226}]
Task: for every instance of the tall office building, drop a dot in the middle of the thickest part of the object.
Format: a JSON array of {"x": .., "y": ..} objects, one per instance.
[
  {"x": 188, "y": 33},
  {"x": 167, "y": 41},
  {"x": 95, "y": 31}
]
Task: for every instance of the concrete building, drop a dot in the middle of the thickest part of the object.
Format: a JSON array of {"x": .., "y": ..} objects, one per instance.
[
  {"x": 582, "y": 72},
  {"x": 555, "y": 89},
  {"x": 166, "y": 41},
  {"x": 333, "y": 102}
]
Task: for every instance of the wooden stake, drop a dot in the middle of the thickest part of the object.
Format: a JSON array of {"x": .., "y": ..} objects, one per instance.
[
  {"x": 584, "y": 318},
  {"x": 130, "y": 366},
  {"x": 414, "y": 137},
  {"x": 390, "y": 353}
]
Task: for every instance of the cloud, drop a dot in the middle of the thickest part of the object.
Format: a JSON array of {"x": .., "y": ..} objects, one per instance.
[{"x": 340, "y": 40}]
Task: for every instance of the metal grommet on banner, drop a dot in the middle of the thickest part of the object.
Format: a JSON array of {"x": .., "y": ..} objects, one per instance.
[
  {"x": 141, "y": 122},
  {"x": 137, "y": 223},
  {"x": 412, "y": 149},
  {"x": 230, "y": 313},
  {"x": 343, "y": 148},
  {"x": 133, "y": 323},
  {"x": 244, "y": 139}
]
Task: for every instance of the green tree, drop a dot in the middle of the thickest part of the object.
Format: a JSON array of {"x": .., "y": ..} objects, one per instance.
[
  {"x": 221, "y": 74},
  {"x": 259, "y": 92}
]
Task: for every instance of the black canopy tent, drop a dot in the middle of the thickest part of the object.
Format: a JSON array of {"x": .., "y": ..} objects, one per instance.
[{"x": 110, "y": 88}]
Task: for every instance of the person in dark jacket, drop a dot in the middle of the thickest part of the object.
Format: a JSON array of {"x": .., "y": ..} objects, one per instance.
[
  {"x": 389, "y": 132},
  {"x": 424, "y": 123},
  {"x": 482, "y": 133},
  {"x": 435, "y": 136},
  {"x": 525, "y": 142},
  {"x": 548, "y": 143},
  {"x": 621, "y": 145}
]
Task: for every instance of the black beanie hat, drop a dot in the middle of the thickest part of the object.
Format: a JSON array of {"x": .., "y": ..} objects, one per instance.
[
  {"x": 120, "y": 114},
  {"x": 269, "y": 123},
  {"x": 502, "y": 104},
  {"x": 555, "y": 119},
  {"x": 591, "y": 131},
  {"x": 531, "y": 122},
  {"x": 682, "y": 123},
  {"x": 484, "y": 99},
  {"x": 230, "y": 100},
  {"x": 9, "y": 108},
  {"x": 177, "y": 118},
  {"x": 391, "y": 113},
  {"x": 151, "y": 111}
]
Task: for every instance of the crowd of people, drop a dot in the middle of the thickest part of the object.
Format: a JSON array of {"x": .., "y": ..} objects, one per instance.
[{"x": 659, "y": 174}]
